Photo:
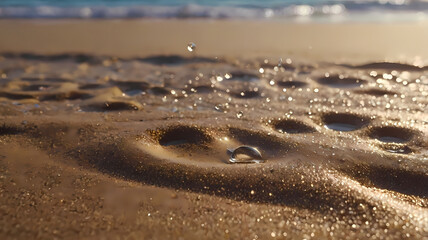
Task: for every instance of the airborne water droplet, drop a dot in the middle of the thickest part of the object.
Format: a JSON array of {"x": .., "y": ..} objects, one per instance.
[
  {"x": 191, "y": 47},
  {"x": 245, "y": 154}
]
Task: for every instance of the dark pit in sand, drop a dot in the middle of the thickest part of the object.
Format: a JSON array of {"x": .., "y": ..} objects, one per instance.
[
  {"x": 180, "y": 135},
  {"x": 337, "y": 81},
  {"x": 292, "y": 126},
  {"x": 247, "y": 94},
  {"x": 244, "y": 76},
  {"x": 344, "y": 121},
  {"x": 392, "y": 134},
  {"x": 291, "y": 84}
]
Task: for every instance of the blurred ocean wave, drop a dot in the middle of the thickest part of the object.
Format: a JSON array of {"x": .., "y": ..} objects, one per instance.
[{"x": 221, "y": 9}]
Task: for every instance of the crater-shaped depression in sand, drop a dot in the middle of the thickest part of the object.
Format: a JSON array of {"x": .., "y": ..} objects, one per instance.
[{"x": 344, "y": 121}]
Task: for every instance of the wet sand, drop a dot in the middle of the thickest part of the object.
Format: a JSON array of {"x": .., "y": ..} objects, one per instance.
[{"x": 93, "y": 145}]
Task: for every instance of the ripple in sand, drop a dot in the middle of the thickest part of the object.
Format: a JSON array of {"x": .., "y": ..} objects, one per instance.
[
  {"x": 344, "y": 121},
  {"x": 245, "y": 154}
]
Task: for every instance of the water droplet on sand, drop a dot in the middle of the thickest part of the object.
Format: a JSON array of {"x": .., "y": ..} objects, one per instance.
[
  {"x": 220, "y": 108},
  {"x": 245, "y": 154},
  {"x": 191, "y": 47},
  {"x": 398, "y": 149},
  {"x": 239, "y": 114}
]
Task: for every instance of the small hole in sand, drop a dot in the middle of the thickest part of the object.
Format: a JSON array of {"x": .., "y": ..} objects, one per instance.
[
  {"x": 91, "y": 86},
  {"x": 203, "y": 89},
  {"x": 243, "y": 76},
  {"x": 159, "y": 91},
  {"x": 392, "y": 134},
  {"x": 175, "y": 60},
  {"x": 60, "y": 96},
  {"x": 131, "y": 85},
  {"x": 37, "y": 87},
  {"x": 341, "y": 82},
  {"x": 118, "y": 105},
  {"x": 9, "y": 130},
  {"x": 292, "y": 126},
  {"x": 376, "y": 92},
  {"x": 180, "y": 135},
  {"x": 389, "y": 66},
  {"x": 247, "y": 94},
  {"x": 291, "y": 84},
  {"x": 344, "y": 121},
  {"x": 112, "y": 106}
]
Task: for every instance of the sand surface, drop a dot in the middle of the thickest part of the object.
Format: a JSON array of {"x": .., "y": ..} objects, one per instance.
[{"x": 96, "y": 146}]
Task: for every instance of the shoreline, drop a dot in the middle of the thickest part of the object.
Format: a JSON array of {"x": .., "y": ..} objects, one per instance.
[{"x": 336, "y": 42}]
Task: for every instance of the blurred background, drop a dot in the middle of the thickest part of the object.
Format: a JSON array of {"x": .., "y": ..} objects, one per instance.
[
  {"x": 320, "y": 10},
  {"x": 331, "y": 30}
]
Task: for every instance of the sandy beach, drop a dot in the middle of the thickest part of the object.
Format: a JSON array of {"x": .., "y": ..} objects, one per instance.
[{"x": 112, "y": 129}]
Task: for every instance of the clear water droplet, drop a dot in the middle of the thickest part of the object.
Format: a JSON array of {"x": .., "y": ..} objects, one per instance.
[
  {"x": 398, "y": 149},
  {"x": 240, "y": 114},
  {"x": 191, "y": 47},
  {"x": 280, "y": 62},
  {"x": 220, "y": 108},
  {"x": 245, "y": 154}
]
